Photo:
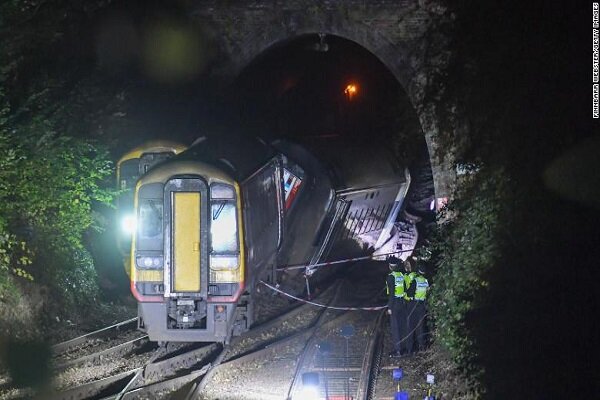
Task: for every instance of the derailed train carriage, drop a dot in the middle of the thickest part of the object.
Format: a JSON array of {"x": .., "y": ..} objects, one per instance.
[{"x": 219, "y": 217}]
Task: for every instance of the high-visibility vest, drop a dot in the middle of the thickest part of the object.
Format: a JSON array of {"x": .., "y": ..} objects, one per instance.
[
  {"x": 398, "y": 284},
  {"x": 421, "y": 288},
  {"x": 408, "y": 278}
]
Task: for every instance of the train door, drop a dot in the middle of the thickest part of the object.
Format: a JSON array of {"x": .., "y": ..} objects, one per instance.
[
  {"x": 186, "y": 252},
  {"x": 263, "y": 216}
]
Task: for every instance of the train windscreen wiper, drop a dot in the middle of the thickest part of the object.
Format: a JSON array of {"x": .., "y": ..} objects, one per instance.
[{"x": 218, "y": 211}]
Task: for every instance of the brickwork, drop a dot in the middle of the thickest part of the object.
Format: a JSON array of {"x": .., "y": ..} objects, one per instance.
[{"x": 401, "y": 33}]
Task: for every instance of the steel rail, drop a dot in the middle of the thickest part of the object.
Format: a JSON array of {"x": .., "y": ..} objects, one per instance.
[
  {"x": 147, "y": 377},
  {"x": 366, "y": 374},
  {"x": 183, "y": 361},
  {"x": 172, "y": 384},
  {"x": 365, "y": 369},
  {"x": 147, "y": 381},
  {"x": 274, "y": 322},
  {"x": 104, "y": 332},
  {"x": 118, "y": 350},
  {"x": 197, "y": 386},
  {"x": 376, "y": 365},
  {"x": 136, "y": 377},
  {"x": 256, "y": 353},
  {"x": 306, "y": 349},
  {"x": 93, "y": 388},
  {"x": 310, "y": 340}
]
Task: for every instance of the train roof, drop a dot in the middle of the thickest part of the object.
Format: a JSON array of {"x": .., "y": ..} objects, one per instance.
[
  {"x": 154, "y": 146},
  {"x": 350, "y": 165},
  {"x": 239, "y": 155}
]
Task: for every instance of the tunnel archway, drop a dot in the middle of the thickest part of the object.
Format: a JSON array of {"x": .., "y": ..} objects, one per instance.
[
  {"x": 316, "y": 86},
  {"x": 401, "y": 35}
]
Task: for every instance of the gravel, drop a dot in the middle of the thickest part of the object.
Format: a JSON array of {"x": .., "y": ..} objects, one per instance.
[
  {"x": 95, "y": 345},
  {"x": 266, "y": 377},
  {"x": 110, "y": 366}
]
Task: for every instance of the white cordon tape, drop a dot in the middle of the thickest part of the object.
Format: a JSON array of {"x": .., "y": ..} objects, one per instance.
[
  {"x": 322, "y": 305},
  {"x": 324, "y": 264}
]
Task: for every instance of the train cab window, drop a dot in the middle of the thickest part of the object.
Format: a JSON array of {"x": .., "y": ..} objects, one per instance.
[
  {"x": 129, "y": 173},
  {"x": 293, "y": 175},
  {"x": 222, "y": 191},
  {"x": 150, "y": 219},
  {"x": 148, "y": 160},
  {"x": 291, "y": 184},
  {"x": 223, "y": 227}
]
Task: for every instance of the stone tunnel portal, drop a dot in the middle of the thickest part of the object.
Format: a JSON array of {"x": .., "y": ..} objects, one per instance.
[{"x": 318, "y": 86}]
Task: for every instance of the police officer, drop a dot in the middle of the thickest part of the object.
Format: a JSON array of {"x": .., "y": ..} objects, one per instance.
[
  {"x": 396, "y": 290},
  {"x": 416, "y": 294}
]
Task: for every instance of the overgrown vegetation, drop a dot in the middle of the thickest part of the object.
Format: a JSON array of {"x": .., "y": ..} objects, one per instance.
[
  {"x": 466, "y": 248},
  {"x": 51, "y": 177},
  {"x": 49, "y": 183},
  {"x": 505, "y": 262}
]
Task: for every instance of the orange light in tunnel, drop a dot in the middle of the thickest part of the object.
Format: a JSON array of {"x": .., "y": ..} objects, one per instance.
[{"x": 351, "y": 90}]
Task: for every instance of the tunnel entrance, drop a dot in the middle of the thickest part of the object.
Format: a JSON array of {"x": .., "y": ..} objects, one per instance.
[
  {"x": 328, "y": 90},
  {"x": 320, "y": 87}
]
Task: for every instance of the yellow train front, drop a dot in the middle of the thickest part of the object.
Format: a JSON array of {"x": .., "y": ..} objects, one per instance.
[
  {"x": 216, "y": 219},
  {"x": 187, "y": 256}
]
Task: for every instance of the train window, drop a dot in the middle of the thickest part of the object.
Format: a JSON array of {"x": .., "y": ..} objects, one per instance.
[
  {"x": 223, "y": 227},
  {"x": 291, "y": 184},
  {"x": 128, "y": 173},
  {"x": 150, "y": 218},
  {"x": 148, "y": 160},
  {"x": 221, "y": 191}
]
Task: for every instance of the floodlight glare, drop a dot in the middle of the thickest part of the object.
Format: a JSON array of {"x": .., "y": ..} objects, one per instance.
[
  {"x": 310, "y": 386},
  {"x": 128, "y": 224},
  {"x": 309, "y": 393}
]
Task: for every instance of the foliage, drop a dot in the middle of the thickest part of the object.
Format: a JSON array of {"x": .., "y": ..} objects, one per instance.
[
  {"x": 51, "y": 178},
  {"x": 502, "y": 257},
  {"x": 465, "y": 249},
  {"x": 48, "y": 185}
]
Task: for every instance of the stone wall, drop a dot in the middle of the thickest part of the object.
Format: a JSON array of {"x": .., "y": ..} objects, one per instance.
[{"x": 404, "y": 34}]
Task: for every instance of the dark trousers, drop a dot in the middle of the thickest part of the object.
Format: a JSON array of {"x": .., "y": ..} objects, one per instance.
[
  {"x": 399, "y": 324},
  {"x": 416, "y": 324}
]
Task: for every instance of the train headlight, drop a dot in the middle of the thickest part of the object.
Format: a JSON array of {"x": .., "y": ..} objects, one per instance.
[
  {"x": 149, "y": 262},
  {"x": 223, "y": 262},
  {"x": 128, "y": 224}
]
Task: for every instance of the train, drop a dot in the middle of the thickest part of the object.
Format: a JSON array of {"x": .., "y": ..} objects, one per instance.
[
  {"x": 133, "y": 164},
  {"x": 216, "y": 219}
]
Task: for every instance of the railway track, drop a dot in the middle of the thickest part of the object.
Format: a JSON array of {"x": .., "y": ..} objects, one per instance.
[
  {"x": 118, "y": 362},
  {"x": 344, "y": 366},
  {"x": 88, "y": 340},
  {"x": 146, "y": 371}
]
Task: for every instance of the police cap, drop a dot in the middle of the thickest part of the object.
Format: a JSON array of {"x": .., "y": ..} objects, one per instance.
[{"x": 393, "y": 261}]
